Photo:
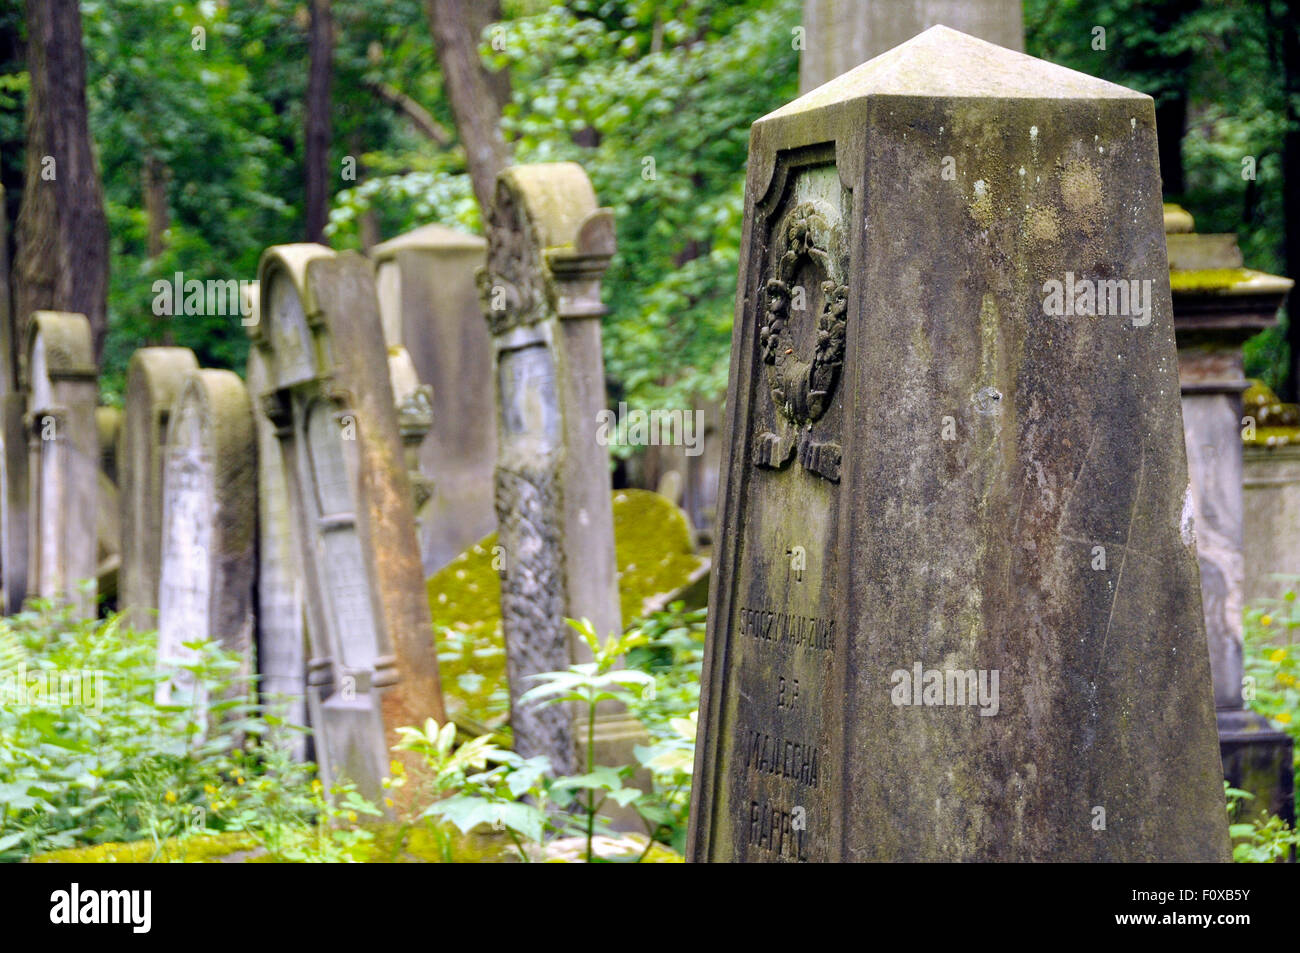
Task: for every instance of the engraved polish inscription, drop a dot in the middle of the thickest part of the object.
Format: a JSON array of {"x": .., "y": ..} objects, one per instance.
[{"x": 779, "y": 787}]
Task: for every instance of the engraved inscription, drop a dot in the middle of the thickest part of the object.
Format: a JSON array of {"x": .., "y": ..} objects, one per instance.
[
  {"x": 785, "y": 630},
  {"x": 791, "y": 758},
  {"x": 772, "y": 828}
]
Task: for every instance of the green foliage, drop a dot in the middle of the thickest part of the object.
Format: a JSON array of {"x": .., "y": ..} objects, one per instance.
[
  {"x": 109, "y": 763},
  {"x": 673, "y": 653},
  {"x": 667, "y": 93},
  {"x": 1271, "y": 664},
  {"x": 113, "y": 764},
  {"x": 1223, "y": 58},
  {"x": 1256, "y": 842},
  {"x": 480, "y": 783}
]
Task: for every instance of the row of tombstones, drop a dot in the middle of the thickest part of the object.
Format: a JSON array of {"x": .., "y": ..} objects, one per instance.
[
  {"x": 287, "y": 515},
  {"x": 912, "y": 650}
]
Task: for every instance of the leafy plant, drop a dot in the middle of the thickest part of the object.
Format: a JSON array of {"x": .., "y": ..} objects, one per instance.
[{"x": 1257, "y": 842}]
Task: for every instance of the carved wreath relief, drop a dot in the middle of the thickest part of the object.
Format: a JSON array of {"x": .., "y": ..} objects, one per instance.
[{"x": 808, "y": 260}]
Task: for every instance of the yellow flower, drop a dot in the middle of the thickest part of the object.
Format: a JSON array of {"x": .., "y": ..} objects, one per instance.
[
  {"x": 316, "y": 786},
  {"x": 239, "y": 780},
  {"x": 209, "y": 790},
  {"x": 352, "y": 816},
  {"x": 1266, "y": 620},
  {"x": 397, "y": 768},
  {"x": 1286, "y": 679},
  {"x": 1278, "y": 655},
  {"x": 1284, "y": 717},
  {"x": 170, "y": 797},
  {"x": 388, "y": 802}
]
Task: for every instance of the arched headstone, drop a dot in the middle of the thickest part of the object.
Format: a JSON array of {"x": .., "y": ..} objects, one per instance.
[
  {"x": 153, "y": 380},
  {"x": 209, "y": 521},
  {"x": 372, "y": 666},
  {"x": 548, "y": 246},
  {"x": 63, "y": 460},
  {"x": 281, "y": 629}
]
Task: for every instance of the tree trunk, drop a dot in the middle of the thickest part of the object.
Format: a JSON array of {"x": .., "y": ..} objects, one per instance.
[
  {"x": 62, "y": 234},
  {"x": 154, "y": 176},
  {"x": 476, "y": 96},
  {"x": 320, "y": 72}
]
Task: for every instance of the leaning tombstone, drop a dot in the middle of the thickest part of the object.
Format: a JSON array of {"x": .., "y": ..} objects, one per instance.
[
  {"x": 955, "y": 611},
  {"x": 108, "y": 555},
  {"x": 281, "y": 629},
  {"x": 63, "y": 459},
  {"x": 209, "y": 525},
  {"x": 429, "y": 303},
  {"x": 372, "y": 667},
  {"x": 13, "y": 442},
  {"x": 153, "y": 380},
  {"x": 548, "y": 246},
  {"x": 15, "y": 498}
]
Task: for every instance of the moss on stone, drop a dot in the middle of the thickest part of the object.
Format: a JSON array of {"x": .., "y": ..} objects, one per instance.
[
  {"x": 1276, "y": 423},
  {"x": 655, "y": 556},
  {"x": 391, "y": 843},
  {"x": 1209, "y": 279},
  {"x": 205, "y": 849}
]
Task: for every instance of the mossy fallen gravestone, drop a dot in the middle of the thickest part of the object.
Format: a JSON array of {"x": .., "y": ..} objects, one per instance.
[
  {"x": 153, "y": 379},
  {"x": 63, "y": 462},
  {"x": 209, "y": 524},
  {"x": 372, "y": 668},
  {"x": 955, "y": 611},
  {"x": 655, "y": 559}
]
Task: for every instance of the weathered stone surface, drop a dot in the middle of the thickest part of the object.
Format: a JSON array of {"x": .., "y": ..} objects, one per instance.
[
  {"x": 1271, "y": 487},
  {"x": 63, "y": 460},
  {"x": 372, "y": 666},
  {"x": 1212, "y": 432},
  {"x": 108, "y": 426},
  {"x": 429, "y": 303},
  {"x": 1217, "y": 306},
  {"x": 15, "y": 496},
  {"x": 108, "y": 540},
  {"x": 281, "y": 627},
  {"x": 842, "y": 34},
  {"x": 153, "y": 380},
  {"x": 415, "y": 416},
  {"x": 108, "y": 532},
  {"x": 208, "y": 549},
  {"x": 548, "y": 246},
  {"x": 930, "y": 468}
]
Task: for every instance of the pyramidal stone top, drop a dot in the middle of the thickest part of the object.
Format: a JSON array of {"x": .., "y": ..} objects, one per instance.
[{"x": 943, "y": 63}]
